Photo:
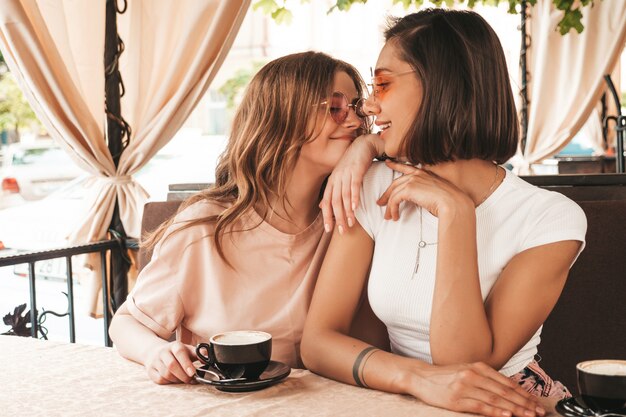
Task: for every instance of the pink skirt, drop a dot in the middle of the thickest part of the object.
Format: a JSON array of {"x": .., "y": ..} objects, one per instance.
[{"x": 535, "y": 380}]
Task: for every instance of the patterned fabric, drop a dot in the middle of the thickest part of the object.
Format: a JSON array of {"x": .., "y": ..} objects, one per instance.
[{"x": 535, "y": 380}]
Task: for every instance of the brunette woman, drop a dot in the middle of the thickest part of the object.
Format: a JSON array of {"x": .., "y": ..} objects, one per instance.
[{"x": 462, "y": 260}]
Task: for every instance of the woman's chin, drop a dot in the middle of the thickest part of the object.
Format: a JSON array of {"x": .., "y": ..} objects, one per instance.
[{"x": 391, "y": 153}]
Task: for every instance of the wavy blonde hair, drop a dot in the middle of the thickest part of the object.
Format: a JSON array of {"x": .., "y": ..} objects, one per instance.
[{"x": 269, "y": 129}]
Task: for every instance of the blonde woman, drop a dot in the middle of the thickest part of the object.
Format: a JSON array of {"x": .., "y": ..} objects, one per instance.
[{"x": 245, "y": 253}]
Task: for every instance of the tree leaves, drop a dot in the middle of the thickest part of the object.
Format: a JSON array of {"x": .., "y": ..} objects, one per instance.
[
  {"x": 282, "y": 15},
  {"x": 571, "y": 20},
  {"x": 266, "y": 6},
  {"x": 15, "y": 112},
  {"x": 234, "y": 86},
  {"x": 572, "y": 14}
]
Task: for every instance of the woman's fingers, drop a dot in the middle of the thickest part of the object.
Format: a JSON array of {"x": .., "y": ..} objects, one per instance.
[
  {"x": 337, "y": 204},
  {"x": 384, "y": 198},
  {"x": 496, "y": 382},
  {"x": 470, "y": 405},
  {"x": 498, "y": 403},
  {"x": 355, "y": 189},
  {"x": 183, "y": 354},
  {"x": 156, "y": 377},
  {"x": 477, "y": 388},
  {"x": 497, "y": 388},
  {"x": 172, "y": 368},
  {"x": 326, "y": 206},
  {"x": 403, "y": 168},
  {"x": 346, "y": 196},
  {"x": 397, "y": 196},
  {"x": 502, "y": 380},
  {"x": 164, "y": 375}
]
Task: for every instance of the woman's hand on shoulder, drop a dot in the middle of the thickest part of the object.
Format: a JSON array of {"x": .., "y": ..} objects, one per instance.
[
  {"x": 171, "y": 363},
  {"x": 341, "y": 195},
  {"x": 425, "y": 189},
  {"x": 474, "y": 388}
]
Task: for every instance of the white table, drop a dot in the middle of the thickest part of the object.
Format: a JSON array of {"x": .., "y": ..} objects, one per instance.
[{"x": 44, "y": 378}]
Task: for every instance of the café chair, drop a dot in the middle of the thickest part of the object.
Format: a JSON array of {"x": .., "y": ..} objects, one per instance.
[
  {"x": 154, "y": 214},
  {"x": 589, "y": 320}
]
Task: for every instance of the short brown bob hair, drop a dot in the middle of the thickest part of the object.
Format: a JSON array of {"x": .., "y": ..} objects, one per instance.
[{"x": 467, "y": 109}]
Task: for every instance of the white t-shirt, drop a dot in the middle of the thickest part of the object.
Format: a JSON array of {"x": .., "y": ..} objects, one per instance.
[{"x": 517, "y": 216}]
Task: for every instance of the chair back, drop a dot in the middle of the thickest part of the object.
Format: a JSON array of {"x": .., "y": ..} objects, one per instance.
[
  {"x": 154, "y": 214},
  {"x": 589, "y": 320}
]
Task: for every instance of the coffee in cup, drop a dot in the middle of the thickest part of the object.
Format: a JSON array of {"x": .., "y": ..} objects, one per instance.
[
  {"x": 238, "y": 354},
  {"x": 602, "y": 383}
]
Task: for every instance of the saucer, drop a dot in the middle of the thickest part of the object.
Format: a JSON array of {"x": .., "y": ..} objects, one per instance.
[
  {"x": 273, "y": 374},
  {"x": 577, "y": 407}
]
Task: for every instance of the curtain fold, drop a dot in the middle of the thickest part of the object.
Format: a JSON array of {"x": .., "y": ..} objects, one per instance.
[
  {"x": 55, "y": 49},
  {"x": 61, "y": 73},
  {"x": 172, "y": 54},
  {"x": 567, "y": 73},
  {"x": 173, "y": 50}
]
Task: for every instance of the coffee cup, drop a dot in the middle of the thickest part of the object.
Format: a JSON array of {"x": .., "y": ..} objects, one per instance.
[
  {"x": 237, "y": 354},
  {"x": 602, "y": 383}
]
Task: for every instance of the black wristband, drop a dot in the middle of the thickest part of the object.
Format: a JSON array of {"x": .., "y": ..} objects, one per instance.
[{"x": 357, "y": 365}]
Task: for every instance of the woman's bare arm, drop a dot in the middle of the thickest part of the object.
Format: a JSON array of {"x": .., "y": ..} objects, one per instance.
[
  {"x": 519, "y": 303},
  {"x": 341, "y": 195},
  {"x": 165, "y": 362},
  {"x": 328, "y": 350}
]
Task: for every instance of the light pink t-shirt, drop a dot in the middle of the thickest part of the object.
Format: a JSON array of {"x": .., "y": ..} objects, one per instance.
[{"x": 188, "y": 289}]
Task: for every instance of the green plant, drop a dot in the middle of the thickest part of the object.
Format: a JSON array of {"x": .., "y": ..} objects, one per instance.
[
  {"x": 234, "y": 86},
  {"x": 15, "y": 112},
  {"x": 3, "y": 65},
  {"x": 572, "y": 14}
]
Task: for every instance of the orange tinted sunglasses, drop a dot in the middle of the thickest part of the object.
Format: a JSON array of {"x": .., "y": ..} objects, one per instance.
[{"x": 380, "y": 83}]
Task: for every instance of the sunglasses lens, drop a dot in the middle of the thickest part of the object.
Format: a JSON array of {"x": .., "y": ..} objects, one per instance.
[
  {"x": 338, "y": 107},
  {"x": 378, "y": 87}
]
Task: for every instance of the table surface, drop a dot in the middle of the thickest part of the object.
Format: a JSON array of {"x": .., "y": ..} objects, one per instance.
[{"x": 45, "y": 378}]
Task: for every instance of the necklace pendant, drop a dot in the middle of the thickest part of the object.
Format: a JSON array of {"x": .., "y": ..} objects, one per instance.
[{"x": 417, "y": 258}]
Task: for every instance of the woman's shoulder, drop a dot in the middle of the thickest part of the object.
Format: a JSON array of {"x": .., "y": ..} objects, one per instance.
[
  {"x": 200, "y": 210},
  {"x": 195, "y": 218},
  {"x": 540, "y": 200},
  {"x": 377, "y": 178}
]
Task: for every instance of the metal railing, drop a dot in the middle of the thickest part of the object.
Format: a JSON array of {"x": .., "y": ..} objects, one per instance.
[{"x": 31, "y": 257}]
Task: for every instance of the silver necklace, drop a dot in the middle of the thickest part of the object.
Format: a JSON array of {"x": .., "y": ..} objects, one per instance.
[
  {"x": 422, "y": 243},
  {"x": 490, "y": 190}
]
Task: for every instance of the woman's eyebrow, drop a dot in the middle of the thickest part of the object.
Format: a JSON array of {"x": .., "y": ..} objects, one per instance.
[{"x": 381, "y": 69}]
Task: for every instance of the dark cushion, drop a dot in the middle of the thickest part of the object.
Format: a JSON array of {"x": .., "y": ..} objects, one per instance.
[{"x": 589, "y": 320}]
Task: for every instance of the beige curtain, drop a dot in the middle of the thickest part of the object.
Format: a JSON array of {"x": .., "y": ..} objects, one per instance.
[
  {"x": 567, "y": 73},
  {"x": 60, "y": 72},
  {"x": 173, "y": 51}
]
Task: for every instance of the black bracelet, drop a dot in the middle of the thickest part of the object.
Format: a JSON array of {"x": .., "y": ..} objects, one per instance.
[{"x": 357, "y": 365}]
